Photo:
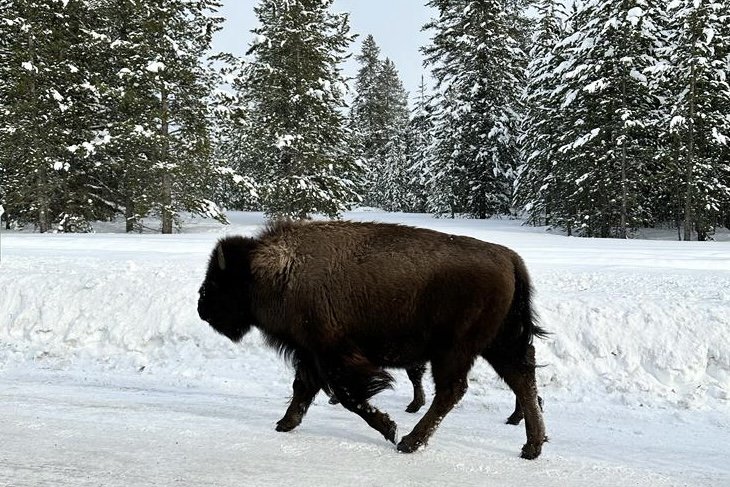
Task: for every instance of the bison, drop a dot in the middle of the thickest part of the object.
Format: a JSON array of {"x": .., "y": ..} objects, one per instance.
[{"x": 343, "y": 301}]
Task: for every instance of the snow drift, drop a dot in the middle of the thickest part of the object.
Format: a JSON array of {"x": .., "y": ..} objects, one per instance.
[{"x": 642, "y": 322}]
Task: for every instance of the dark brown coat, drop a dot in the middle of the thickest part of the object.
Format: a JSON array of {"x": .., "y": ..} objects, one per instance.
[{"x": 345, "y": 300}]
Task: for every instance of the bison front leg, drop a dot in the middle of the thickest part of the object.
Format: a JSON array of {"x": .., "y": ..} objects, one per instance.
[
  {"x": 305, "y": 388},
  {"x": 451, "y": 385}
]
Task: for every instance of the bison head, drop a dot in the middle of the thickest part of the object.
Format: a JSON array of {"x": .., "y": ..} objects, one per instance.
[{"x": 225, "y": 295}]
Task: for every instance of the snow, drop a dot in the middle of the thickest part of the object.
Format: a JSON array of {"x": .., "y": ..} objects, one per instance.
[
  {"x": 285, "y": 140},
  {"x": 61, "y": 166},
  {"x": 597, "y": 85},
  {"x": 638, "y": 76},
  {"x": 676, "y": 121},
  {"x": 107, "y": 376},
  {"x": 634, "y": 15},
  {"x": 154, "y": 67},
  {"x": 570, "y": 97},
  {"x": 56, "y": 95},
  {"x": 718, "y": 137}
]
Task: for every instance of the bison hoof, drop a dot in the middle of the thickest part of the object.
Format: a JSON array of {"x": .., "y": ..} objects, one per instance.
[
  {"x": 286, "y": 424},
  {"x": 392, "y": 433},
  {"x": 408, "y": 444},
  {"x": 514, "y": 419},
  {"x": 530, "y": 452},
  {"x": 414, "y": 407}
]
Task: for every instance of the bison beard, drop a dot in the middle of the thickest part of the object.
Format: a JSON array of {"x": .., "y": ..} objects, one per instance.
[{"x": 345, "y": 300}]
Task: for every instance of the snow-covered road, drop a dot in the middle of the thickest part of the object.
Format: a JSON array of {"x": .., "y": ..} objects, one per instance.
[
  {"x": 61, "y": 430},
  {"x": 107, "y": 376}
]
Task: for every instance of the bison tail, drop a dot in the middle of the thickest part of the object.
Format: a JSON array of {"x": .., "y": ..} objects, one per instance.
[
  {"x": 521, "y": 323},
  {"x": 357, "y": 375}
]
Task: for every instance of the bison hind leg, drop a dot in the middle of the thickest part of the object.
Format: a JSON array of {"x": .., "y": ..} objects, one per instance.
[
  {"x": 518, "y": 371},
  {"x": 450, "y": 378},
  {"x": 518, "y": 415},
  {"x": 415, "y": 374}
]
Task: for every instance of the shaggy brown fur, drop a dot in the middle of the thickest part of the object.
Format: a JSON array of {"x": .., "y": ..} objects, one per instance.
[{"x": 346, "y": 300}]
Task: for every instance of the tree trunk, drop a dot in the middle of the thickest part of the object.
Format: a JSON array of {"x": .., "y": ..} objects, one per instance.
[
  {"x": 42, "y": 199},
  {"x": 129, "y": 215},
  {"x": 688, "y": 203},
  {"x": 129, "y": 209},
  {"x": 624, "y": 183},
  {"x": 166, "y": 176},
  {"x": 42, "y": 181}
]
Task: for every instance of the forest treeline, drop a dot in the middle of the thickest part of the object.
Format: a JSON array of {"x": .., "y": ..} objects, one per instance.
[{"x": 598, "y": 119}]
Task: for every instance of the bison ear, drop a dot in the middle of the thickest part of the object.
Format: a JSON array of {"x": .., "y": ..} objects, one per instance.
[
  {"x": 221, "y": 258},
  {"x": 233, "y": 255}
]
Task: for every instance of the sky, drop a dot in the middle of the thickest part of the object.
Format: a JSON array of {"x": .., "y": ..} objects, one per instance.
[{"x": 395, "y": 25}]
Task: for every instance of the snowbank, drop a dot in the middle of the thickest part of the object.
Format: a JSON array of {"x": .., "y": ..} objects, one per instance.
[{"x": 637, "y": 322}]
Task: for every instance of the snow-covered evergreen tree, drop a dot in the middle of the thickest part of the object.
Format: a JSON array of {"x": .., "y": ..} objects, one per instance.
[
  {"x": 48, "y": 102},
  {"x": 367, "y": 121},
  {"x": 420, "y": 127},
  {"x": 609, "y": 117},
  {"x": 379, "y": 120},
  {"x": 104, "y": 109},
  {"x": 536, "y": 186},
  {"x": 130, "y": 97},
  {"x": 479, "y": 65},
  {"x": 388, "y": 171},
  {"x": 698, "y": 74},
  {"x": 161, "y": 94},
  {"x": 237, "y": 187},
  {"x": 293, "y": 94}
]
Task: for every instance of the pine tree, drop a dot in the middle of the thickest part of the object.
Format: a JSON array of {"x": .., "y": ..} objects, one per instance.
[
  {"x": 367, "y": 120},
  {"x": 48, "y": 101},
  {"x": 237, "y": 186},
  {"x": 389, "y": 171},
  {"x": 701, "y": 97},
  {"x": 478, "y": 65},
  {"x": 609, "y": 117},
  {"x": 99, "y": 99},
  {"x": 537, "y": 187},
  {"x": 169, "y": 106},
  {"x": 129, "y": 98},
  {"x": 379, "y": 119},
  {"x": 420, "y": 127},
  {"x": 293, "y": 90}
]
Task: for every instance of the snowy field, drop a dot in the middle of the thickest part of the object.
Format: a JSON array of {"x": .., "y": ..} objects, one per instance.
[{"x": 108, "y": 377}]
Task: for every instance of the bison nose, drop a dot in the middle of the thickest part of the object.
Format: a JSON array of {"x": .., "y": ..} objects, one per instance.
[{"x": 202, "y": 312}]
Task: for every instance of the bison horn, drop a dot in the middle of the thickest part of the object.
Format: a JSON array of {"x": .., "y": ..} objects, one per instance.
[{"x": 221, "y": 258}]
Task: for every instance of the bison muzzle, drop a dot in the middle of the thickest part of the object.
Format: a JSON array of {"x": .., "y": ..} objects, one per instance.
[{"x": 344, "y": 301}]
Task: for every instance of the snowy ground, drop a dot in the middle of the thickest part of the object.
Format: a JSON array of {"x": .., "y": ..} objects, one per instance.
[{"x": 107, "y": 376}]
